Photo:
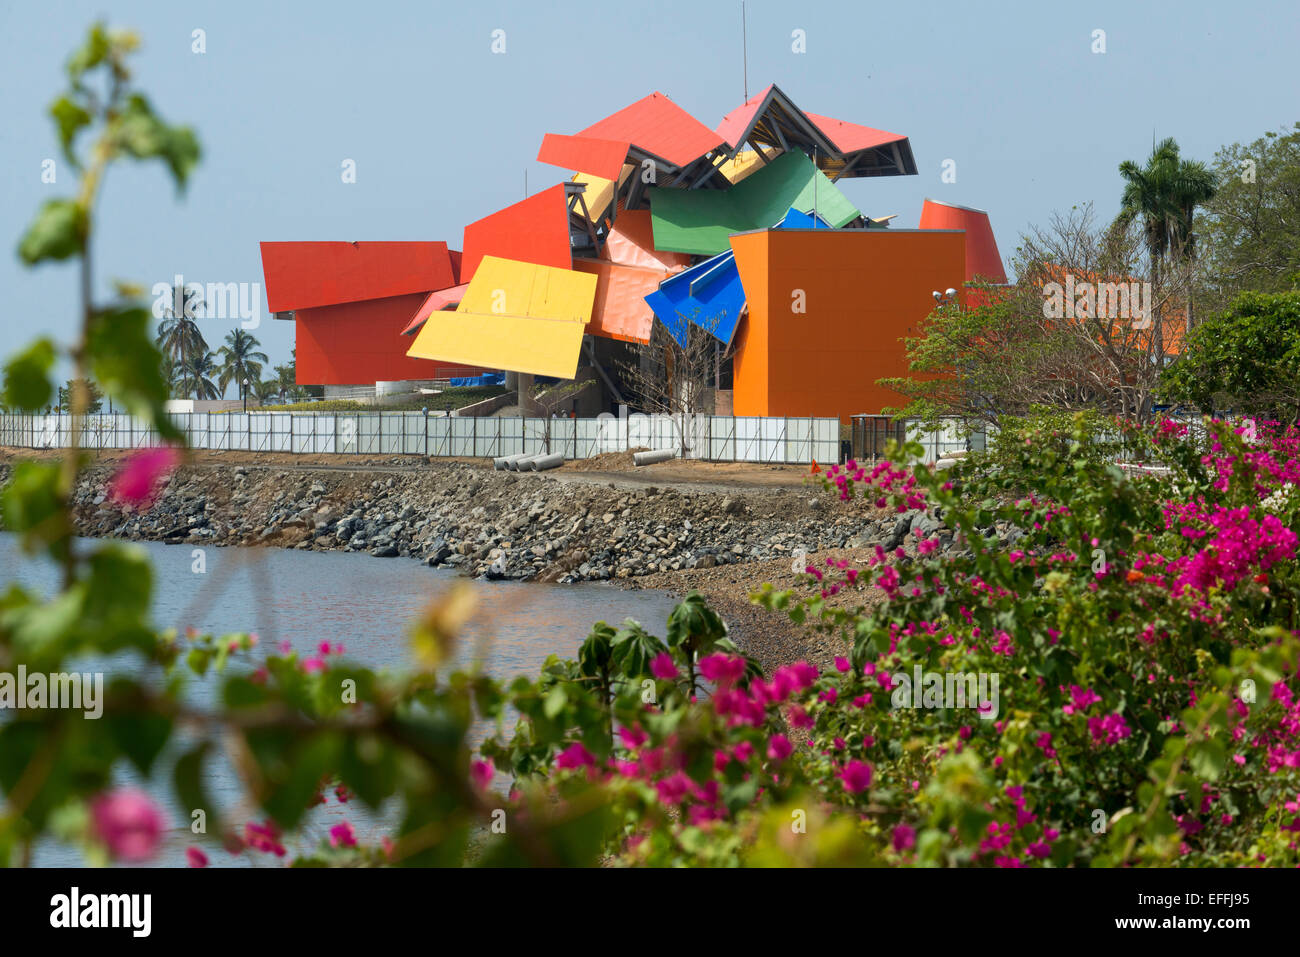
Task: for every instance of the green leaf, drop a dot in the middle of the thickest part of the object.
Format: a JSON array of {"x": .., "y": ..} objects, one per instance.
[
  {"x": 141, "y": 736},
  {"x": 141, "y": 134},
  {"x": 58, "y": 232},
  {"x": 1207, "y": 758},
  {"x": 369, "y": 768},
  {"x": 30, "y": 505},
  {"x": 293, "y": 770},
  {"x": 91, "y": 54},
  {"x": 634, "y": 648},
  {"x": 71, "y": 118},
  {"x": 191, "y": 792},
  {"x": 27, "y": 385},
  {"x": 694, "y": 624},
  {"x": 126, "y": 363},
  {"x": 594, "y": 655}
]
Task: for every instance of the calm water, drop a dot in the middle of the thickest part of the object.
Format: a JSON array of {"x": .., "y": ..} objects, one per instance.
[{"x": 364, "y": 602}]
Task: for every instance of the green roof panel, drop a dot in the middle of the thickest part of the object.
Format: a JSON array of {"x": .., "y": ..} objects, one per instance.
[{"x": 701, "y": 221}]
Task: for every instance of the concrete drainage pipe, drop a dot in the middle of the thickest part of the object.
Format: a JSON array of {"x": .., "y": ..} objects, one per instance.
[{"x": 653, "y": 456}]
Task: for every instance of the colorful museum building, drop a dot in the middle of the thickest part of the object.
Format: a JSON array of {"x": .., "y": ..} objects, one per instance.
[{"x": 734, "y": 240}]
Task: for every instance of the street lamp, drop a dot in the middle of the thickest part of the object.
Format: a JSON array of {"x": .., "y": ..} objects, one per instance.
[
  {"x": 945, "y": 297},
  {"x": 245, "y": 390}
]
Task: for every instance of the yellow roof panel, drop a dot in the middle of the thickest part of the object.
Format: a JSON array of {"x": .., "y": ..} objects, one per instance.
[
  {"x": 515, "y": 315},
  {"x": 599, "y": 191},
  {"x": 513, "y": 288},
  {"x": 741, "y": 165}
]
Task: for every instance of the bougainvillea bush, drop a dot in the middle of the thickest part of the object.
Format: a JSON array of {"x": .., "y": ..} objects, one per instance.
[{"x": 1140, "y": 622}]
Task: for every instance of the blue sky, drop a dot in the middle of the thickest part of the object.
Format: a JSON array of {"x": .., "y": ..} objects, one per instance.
[{"x": 443, "y": 131}]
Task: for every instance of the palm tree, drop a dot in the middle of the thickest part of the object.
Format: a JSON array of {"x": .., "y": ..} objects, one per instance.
[
  {"x": 179, "y": 337},
  {"x": 1164, "y": 195},
  {"x": 195, "y": 376},
  {"x": 265, "y": 389},
  {"x": 240, "y": 361}
]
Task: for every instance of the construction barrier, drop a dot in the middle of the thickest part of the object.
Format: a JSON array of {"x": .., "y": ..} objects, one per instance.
[{"x": 717, "y": 438}]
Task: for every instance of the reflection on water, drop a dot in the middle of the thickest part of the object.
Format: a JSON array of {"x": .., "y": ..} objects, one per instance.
[{"x": 367, "y": 604}]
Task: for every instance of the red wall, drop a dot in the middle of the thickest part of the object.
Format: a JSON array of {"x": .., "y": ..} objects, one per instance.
[{"x": 360, "y": 343}]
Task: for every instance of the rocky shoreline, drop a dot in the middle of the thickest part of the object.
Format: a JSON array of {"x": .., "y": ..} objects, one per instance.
[
  {"x": 564, "y": 526},
  {"x": 520, "y": 526}
]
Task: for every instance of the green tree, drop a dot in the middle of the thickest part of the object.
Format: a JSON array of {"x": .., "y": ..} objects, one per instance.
[
  {"x": 1000, "y": 353},
  {"x": 1245, "y": 360},
  {"x": 264, "y": 389},
  {"x": 286, "y": 378},
  {"x": 1251, "y": 228},
  {"x": 240, "y": 361},
  {"x": 195, "y": 377},
  {"x": 93, "y": 401},
  {"x": 179, "y": 336},
  {"x": 1164, "y": 196}
]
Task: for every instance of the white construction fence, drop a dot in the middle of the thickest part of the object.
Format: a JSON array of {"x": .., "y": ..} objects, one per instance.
[{"x": 717, "y": 438}]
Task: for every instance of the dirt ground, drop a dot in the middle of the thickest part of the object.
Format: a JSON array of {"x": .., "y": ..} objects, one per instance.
[
  {"x": 614, "y": 467},
  {"x": 770, "y": 635}
]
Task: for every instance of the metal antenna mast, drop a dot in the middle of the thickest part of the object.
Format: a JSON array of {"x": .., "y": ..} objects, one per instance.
[{"x": 744, "y": 43}]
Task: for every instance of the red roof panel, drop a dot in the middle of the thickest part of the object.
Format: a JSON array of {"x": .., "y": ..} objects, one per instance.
[
  {"x": 309, "y": 274},
  {"x": 852, "y": 137},
  {"x": 434, "y": 302},
  {"x": 585, "y": 154},
  {"x": 660, "y": 127},
  {"x": 533, "y": 230},
  {"x": 733, "y": 125}
]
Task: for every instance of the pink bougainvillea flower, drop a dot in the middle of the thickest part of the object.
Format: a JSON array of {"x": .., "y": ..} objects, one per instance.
[
  {"x": 137, "y": 482},
  {"x": 574, "y": 756},
  {"x": 842, "y": 664},
  {"x": 798, "y": 717},
  {"x": 722, "y": 670},
  {"x": 779, "y": 747},
  {"x": 342, "y": 835},
  {"x": 312, "y": 665},
  {"x": 632, "y": 737},
  {"x": 129, "y": 823},
  {"x": 904, "y": 838},
  {"x": 674, "y": 788},
  {"x": 662, "y": 667},
  {"x": 264, "y": 837},
  {"x": 1108, "y": 729},
  {"x": 856, "y": 776},
  {"x": 195, "y": 857},
  {"x": 481, "y": 773}
]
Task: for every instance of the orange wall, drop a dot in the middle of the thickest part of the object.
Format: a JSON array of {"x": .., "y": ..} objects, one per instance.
[
  {"x": 864, "y": 289},
  {"x": 360, "y": 343}
]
